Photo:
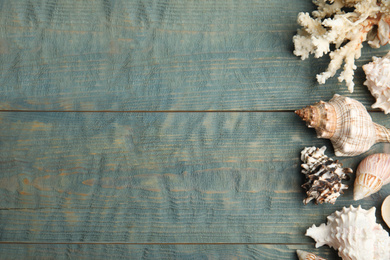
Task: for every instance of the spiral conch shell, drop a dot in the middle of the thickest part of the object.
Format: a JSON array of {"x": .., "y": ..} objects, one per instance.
[
  {"x": 346, "y": 123},
  {"x": 372, "y": 173},
  {"x": 354, "y": 233},
  {"x": 303, "y": 255},
  {"x": 378, "y": 81}
]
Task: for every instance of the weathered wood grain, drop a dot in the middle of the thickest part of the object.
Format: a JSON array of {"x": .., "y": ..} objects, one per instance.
[
  {"x": 96, "y": 55},
  {"x": 139, "y": 251},
  {"x": 167, "y": 180},
  {"x": 160, "y": 178}
]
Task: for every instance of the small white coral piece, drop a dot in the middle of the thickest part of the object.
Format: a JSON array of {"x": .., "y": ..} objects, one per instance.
[
  {"x": 331, "y": 25},
  {"x": 378, "y": 81},
  {"x": 354, "y": 233}
]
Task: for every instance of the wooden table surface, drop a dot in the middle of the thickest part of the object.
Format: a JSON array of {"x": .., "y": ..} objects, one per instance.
[{"x": 161, "y": 129}]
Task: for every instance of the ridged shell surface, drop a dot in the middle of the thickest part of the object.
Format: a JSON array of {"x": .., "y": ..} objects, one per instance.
[
  {"x": 303, "y": 255},
  {"x": 346, "y": 123},
  {"x": 386, "y": 211},
  {"x": 372, "y": 173},
  {"x": 378, "y": 81},
  {"x": 323, "y": 176},
  {"x": 354, "y": 233}
]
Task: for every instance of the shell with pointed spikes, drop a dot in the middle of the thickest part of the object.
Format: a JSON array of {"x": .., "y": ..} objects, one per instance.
[
  {"x": 303, "y": 255},
  {"x": 323, "y": 176},
  {"x": 354, "y": 233},
  {"x": 378, "y": 81},
  {"x": 372, "y": 173},
  {"x": 346, "y": 123}
]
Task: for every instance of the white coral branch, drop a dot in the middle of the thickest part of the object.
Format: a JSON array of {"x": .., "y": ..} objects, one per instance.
[
  {"x": 346, "y": 31},
  {"x": 326, "y": 10}
]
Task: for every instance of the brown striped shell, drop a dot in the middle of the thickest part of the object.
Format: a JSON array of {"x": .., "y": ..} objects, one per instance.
[
  {"x": 323, "y": 176},
  {"x": 346, "y": 122}
]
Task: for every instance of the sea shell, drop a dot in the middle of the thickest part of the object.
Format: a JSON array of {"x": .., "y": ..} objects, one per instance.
[
  {"x": 386, "y": 211},
  {"x": 354, "y": 233},
  {"x": 372, "y": 173},
  {"x": 378, "y": 81},
  {"x": 303, "y": 255},
  {"x": 323, "y": 176},
  {"x": 346, "y": 123}
]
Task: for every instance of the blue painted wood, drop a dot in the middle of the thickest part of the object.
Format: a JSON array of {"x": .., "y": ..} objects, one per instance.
[
  {"x": 139, "y": 251},
  {"x": 167, "y": 179},
  {"x": 160, "y": 178},
  {"x": 129, "y": 55}
]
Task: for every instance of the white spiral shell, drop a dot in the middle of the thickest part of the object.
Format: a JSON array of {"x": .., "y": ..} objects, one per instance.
[
  {"x": 354, "y": 233},
  {"x": 372, "y": 173},
  {"x": 378, "y": 81}
]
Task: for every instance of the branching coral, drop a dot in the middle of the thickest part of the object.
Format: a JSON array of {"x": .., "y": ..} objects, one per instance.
[{"x": 344, "y": 24}]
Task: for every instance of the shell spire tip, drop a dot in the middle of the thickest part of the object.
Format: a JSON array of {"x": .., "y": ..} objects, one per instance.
[{"x": 301, "y": 113}]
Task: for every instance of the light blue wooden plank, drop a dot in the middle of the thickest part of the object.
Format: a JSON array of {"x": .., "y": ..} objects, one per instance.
[
  {"x": 159, "y": 55},
  {"x": 193, "y": 222},
  {"x": 125, "y": 251},
  {"x": 160, "y": 177}
]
